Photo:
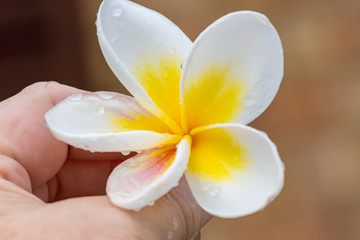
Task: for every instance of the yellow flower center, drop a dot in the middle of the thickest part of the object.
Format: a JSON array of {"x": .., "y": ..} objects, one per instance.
[{"x": 214, "y": 95}]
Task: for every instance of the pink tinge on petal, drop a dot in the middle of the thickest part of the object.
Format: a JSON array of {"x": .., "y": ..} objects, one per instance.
[
  {"x": 117, "y": 104},
  {"x": 137, "y": 173},
  {"x": 129, "y": 107}
]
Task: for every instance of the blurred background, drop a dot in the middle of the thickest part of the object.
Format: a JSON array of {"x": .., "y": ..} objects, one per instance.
[{"x": 314, "y": 119}]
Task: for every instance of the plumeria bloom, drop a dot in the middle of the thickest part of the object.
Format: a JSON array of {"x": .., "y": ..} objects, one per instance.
[{"x": 191, "y": 104}]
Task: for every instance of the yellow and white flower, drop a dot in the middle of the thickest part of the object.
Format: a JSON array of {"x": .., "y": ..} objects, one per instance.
[{"x": 191, "y": 103}]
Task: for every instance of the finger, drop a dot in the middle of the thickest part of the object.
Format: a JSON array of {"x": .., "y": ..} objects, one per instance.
[
  {"x": 175, "y": 216},
  {"x": 78, "y": 178},
  {"x": 24, "y": 136},
  {"x": 83, "y": 174},
  {"x": 31, "y": 157}
]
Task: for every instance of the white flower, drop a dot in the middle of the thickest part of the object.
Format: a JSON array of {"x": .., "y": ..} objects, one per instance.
[{"x": 192, "y": 101}]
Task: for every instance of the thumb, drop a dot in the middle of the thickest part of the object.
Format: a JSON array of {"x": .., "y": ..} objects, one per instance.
[{"x": 177, "y": 215}]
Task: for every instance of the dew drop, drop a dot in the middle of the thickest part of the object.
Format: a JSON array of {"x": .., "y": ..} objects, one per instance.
[
  {"x": 207, "y": 186},
  {"x": 117, "y": 11},
  {"x": 76, "y": 97},
  {"x": 170, "y": 235},
  {"x": 105, "y": 96},
  {"x": 124, "y": 194},
  {"x": 125, "y": 153},
  {"x": 214, "y": 192},
  {"x": 100, "y": 109},
  {"x": 131, "y": 163}
]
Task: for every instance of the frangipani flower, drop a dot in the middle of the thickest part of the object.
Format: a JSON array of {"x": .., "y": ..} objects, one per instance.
[{"x": 191, "y": 103}]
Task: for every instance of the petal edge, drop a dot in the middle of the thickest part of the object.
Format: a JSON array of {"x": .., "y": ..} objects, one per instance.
[
  {"x": 141, "y": 180},
  {"x": 249, "y": 188}
]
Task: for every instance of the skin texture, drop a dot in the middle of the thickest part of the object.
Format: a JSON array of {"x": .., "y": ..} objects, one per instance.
[{"x": 49, "y": 190}]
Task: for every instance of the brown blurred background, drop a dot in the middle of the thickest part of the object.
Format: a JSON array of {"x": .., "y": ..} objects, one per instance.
[{"x": 314, "y": 120}]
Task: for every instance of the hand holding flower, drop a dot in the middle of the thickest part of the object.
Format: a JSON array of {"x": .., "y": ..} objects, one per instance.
[
  {"x": 49, "y": 190},
  {"x": 192, "y": 101}
]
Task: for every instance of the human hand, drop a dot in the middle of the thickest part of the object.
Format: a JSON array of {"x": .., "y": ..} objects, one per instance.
[{"x": 49, "y": 190}]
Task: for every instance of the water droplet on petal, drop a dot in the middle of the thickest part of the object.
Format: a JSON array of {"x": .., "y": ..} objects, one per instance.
[
  {"x": 207, "y": 186},
  {"x": 117, "y": 11},
  {"x": 124, "y": 194},
  {"x": 131, "y": 163},
  {"x": 214, "y": 192},
  {"x": 105, "y": 96},
  {"x": 125, "y": 153},
  {"x": 76, "y": 97},
  {"x": 100, "y": 109},
  {"x": 170, "y": 235}
]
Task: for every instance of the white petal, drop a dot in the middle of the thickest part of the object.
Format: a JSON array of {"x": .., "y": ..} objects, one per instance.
[
  {"x": 234, "y": 170},
  {"x": 137, "y": 41},
  {"x": 107, "y": 122},
  {"x": 240, "y": 52},
  {"x": 144, "y": 178}
]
